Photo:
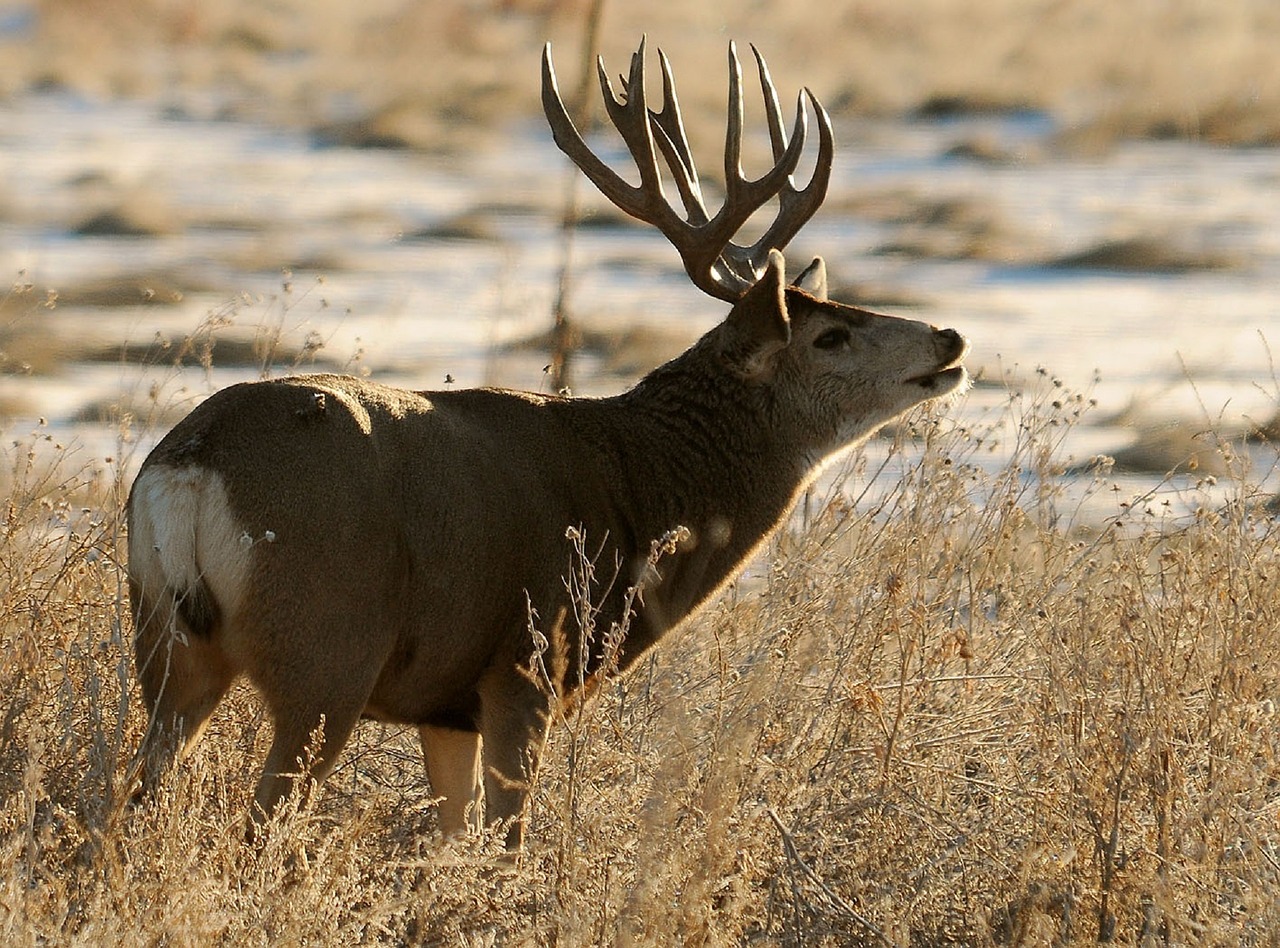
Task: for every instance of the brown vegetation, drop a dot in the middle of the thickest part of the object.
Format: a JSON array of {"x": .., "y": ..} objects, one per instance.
[
  {"x": 1141, "y": 254},
  {"x": 620, "y": 353},
  {"x": 950, "y": 229},
  {"x": 1175, "y": 447},
  {"x": 947, "y": 715},
  {"x": 944, "y": 713},
  {"x": 435, "y": 75}
]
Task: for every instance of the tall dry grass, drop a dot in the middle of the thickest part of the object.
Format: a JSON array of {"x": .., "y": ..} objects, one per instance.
[{"x": 943, "y": 712}]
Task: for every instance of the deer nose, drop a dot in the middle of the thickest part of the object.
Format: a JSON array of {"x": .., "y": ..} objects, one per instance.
[{"x": 950, "y": 342}]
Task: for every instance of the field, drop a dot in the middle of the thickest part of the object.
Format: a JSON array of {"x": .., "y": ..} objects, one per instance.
[
  {"x": 950, "y": 715},
  {"x": 952, "y": 704},
  {"x": 436, "y": 75}
]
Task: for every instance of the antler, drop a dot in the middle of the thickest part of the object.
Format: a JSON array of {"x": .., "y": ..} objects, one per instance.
[{"x": 715, "y": 263}]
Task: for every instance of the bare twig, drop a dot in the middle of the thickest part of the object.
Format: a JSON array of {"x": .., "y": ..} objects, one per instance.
[{"x": 837, "y": 900}]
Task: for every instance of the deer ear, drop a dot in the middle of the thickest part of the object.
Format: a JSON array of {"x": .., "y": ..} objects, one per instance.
[
  {"x": 813, "y": 280},
  {"x": 758, "y": 326}
]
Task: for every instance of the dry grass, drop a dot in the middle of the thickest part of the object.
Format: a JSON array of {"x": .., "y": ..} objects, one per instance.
[
  {"x": 389, "y": 72},
  {"x": 945, "y": 714}
]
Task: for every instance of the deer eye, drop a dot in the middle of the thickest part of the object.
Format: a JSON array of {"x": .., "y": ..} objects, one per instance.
[{"x": 832, "y": 338}]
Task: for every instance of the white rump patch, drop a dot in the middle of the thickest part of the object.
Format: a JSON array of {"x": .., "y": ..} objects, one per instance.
[{"x": 181, "y": 529}]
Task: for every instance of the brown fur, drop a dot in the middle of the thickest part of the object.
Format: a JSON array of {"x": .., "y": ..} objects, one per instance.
[{"x": 392, "y": 542}]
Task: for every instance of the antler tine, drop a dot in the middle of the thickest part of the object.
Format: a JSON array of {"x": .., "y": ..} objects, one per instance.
[
  {"x": 671, "y": 138},
  {"x": 797, "y": 206},
  {"x": 645, "y": 202},
  {"x": 568, "y": 139},
  {"x": 631, "y": 119},
  {"x": 740, "y": 191},
  {"x": 715, "y": 264},
  {"x": 735, "y": 263},
  {"x": 773, "y": 111},
  {"x": 733, "y": 128}
]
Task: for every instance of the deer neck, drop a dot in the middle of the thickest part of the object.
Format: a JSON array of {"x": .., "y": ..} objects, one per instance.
[
  {"x": 701, "y": 445},
  {"x": 701, "y": 451}
]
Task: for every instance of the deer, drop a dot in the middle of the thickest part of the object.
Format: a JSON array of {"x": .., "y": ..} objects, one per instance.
[{"x": 361, "y": 551}]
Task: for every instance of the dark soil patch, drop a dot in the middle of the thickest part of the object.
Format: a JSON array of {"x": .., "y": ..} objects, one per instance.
[
  {"x": 1141, "y": 255},
  {"x": 115, "y": 411},
  {"x": 148, "y": 289},
  {"x": 986, "y": 239},
  {"x": 607, "y": 217},
  {"x": 983, "y": 151},
  {"x": 961, "y": 106},
  {"x": 469, "y": 225},
  {"x": 142, "y": 217},
  {"x": 1267, "y": 431},
  {"x": 627, "y": 352},
  {"x": 948, "y": 229},
  {"x": 226, "y": 351},
  {"x": 1172, "y": 449},
  {"x": 876, "y": 296},
  {"x": 410, "y": 123}
]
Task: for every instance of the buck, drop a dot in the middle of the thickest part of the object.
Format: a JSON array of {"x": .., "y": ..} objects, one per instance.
[{"x": 357, "y": 550}]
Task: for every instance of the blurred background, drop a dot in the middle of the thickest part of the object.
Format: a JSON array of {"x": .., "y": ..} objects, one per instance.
[{"x": 196, "y": 193}]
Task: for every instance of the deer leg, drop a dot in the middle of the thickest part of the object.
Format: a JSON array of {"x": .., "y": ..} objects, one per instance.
[
  {"x": 514, "y": 715},
  {"x": 453, "y": 767},
  {"x": 296, "y": 753},
  {"x": 182, "y": 678}
]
